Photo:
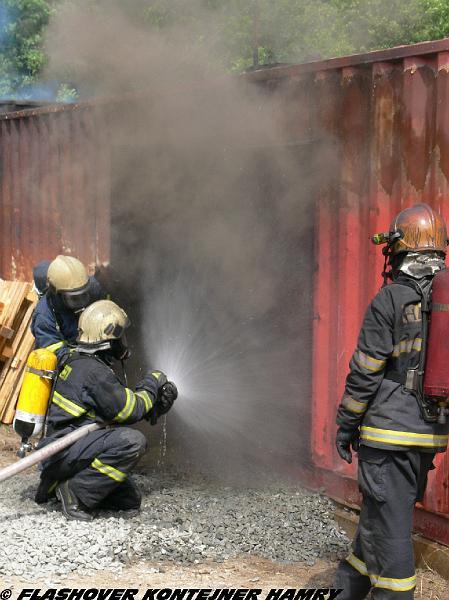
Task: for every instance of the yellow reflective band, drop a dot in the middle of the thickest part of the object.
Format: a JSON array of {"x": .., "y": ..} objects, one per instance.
[
  {"x": 56, "y": 346},
  {"x": 357, "y": 564},
  {"x": 144, "y": 395},
  {"x": 396, "y": 585},
  {"x": 407, "y": 346},
  {"x": 354, "y": 406},
  {"x": 156, "y": 374},
  {"x": 128, "y": 408},
  {"x": 67, "y": 405},
  {"x": 389, "y": 583},
  {"x": 368, "y": 362},
  {"x": 109, "y": 471},
  {"x": 403, "y": 438},
  {"x": 52, "y": 487},
  {"x": 65, "y": 372}
]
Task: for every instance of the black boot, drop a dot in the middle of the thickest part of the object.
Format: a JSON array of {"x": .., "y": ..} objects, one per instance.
[{"x": 71, "y": 506}]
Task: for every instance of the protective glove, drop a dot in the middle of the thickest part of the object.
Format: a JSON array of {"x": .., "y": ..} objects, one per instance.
[
  {"x": 152, "y": 382},
  {"x": 166, "y": 396},
  {"x": 344, "y": 440}
]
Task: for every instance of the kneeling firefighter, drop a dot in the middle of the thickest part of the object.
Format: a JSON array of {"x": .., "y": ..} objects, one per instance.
[
  {"x": 94, "y": 472},
  {"x": 385, "y": 414}
]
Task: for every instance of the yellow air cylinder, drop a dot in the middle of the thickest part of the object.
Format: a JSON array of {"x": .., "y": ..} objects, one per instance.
[{"x": 35, "y": 393}]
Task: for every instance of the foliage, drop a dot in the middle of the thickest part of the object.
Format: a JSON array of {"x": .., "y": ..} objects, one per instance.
[
  {"x": 22, "y": 23},
  {"x": 286, "y": 31}
]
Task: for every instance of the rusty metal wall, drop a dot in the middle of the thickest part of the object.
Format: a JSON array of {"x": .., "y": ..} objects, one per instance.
[
  {"x": 381, "y": 121},
  {"x": 54, "y": 187},
  {"x": 384, "y": 119}
]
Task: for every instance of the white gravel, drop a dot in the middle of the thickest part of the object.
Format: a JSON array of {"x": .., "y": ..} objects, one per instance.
[{"x": 180, "y": 521}]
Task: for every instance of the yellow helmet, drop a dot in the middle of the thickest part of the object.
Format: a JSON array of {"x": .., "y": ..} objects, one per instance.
[
  {"x": 418, "y": 229},
  {"x": 102, "y": 321},
  {"x": 67, "y": 273}
]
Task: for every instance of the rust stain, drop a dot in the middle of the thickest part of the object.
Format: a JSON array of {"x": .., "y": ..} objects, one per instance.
[
  {"x": 418, "y": 122},
  {"x": 387, "y": 116}
]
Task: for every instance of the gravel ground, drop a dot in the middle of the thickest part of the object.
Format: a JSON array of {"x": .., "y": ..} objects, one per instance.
[{"x": 181, "y": 521}]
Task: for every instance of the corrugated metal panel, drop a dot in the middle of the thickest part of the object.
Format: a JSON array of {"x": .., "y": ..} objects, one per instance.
[
  {"x": 55, "y": 196},
  {"x": 384, "y": 117},
  {"x": 389, "y": 124},
  {"x": 384, "y": 121}
]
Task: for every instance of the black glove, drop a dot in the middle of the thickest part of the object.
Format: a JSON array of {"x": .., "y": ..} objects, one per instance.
[
  {"x": 167, "y": 395},
  {"x": 344, "y": 440}
]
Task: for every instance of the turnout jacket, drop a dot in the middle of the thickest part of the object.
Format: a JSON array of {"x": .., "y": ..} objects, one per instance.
[
  {"x": 374, "y": 399},
  {"x": 88, "y": 390},
  {"x": 53, "y": 326}
]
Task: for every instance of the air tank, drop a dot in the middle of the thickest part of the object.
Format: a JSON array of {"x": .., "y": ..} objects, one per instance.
[
  {"x": 34, "y": 394},
  {"x": 436, "y": 373}
]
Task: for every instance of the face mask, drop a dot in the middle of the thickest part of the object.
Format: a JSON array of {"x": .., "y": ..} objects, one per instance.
[
  {"x": 422, "y": 264},
  {"x": 76, "y": 300},
  {"x": 119, "y": 349}
]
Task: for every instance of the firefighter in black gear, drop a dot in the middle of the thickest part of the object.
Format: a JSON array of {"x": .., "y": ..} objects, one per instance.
[
  {"x": 94, "y": 472},
  {"x": 381, "y": 416}
]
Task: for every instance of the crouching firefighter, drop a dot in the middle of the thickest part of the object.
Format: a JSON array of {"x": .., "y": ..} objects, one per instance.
[
  {"x": 65, "y": 289},
  {"x": 94, "y": 472},
  {"x": 384, "y": 414}
]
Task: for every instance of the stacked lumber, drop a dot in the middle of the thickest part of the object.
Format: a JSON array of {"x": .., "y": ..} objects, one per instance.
[{"x": 17, "y": 302}]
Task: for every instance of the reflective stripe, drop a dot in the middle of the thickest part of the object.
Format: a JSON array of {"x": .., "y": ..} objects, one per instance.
[
  {"x": 403, "y": 438},
  {"x": 52, "y": 487},
  {"x": 358, "y": 564},
  {"x": 144, "y": 395},
  {"x": 407, "y": 346},
  {"x": 109, "y": 471},
  {"x": 396, "y": 585},
  {"x": 354, "y": 406},
  {"x": 127, "y": 410},
  {"x": 368, "y": 362},
  {"x": 70, "y": 407},
  {"x": 388, "y": 583},
  {"x": 156, "y": 374},
  {"x": 56, "y": 346}
]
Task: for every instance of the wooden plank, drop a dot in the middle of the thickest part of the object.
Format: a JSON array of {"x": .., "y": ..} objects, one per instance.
[
  {"x": 6, "y": 332},
  {"x": 14, "y": 381},
  {"x": 19, "y": 302}
]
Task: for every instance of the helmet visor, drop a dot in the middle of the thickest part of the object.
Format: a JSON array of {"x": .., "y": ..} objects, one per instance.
[{"x": 77, "y": 300}]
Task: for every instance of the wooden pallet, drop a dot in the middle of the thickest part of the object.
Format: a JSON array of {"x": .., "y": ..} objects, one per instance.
[{"x": 16, "y": 342}]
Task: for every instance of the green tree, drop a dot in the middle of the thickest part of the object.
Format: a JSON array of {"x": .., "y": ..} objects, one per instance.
[
  {"x": 287, "y": 30},
  {"x": 22, "y": 24}
]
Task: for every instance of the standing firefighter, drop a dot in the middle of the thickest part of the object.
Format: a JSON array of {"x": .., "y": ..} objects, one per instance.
[
  {"x": 94, "y": 472},
  {"x": 384, "y": 416}
]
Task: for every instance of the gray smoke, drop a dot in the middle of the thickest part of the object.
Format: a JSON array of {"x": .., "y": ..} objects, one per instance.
[{"x": 212, "y": 205}]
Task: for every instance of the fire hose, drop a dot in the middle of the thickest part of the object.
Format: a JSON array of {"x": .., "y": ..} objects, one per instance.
[{"x": 52, "y": 448}]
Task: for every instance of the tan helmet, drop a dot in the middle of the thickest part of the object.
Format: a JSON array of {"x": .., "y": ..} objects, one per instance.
[
  {"x": 67, "y": 273},
  {"x": 102, "y": 321},
  {"x": 418, "y": 229}
]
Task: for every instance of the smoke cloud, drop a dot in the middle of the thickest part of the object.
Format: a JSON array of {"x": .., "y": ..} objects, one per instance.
[{"x": 212, "y": 247}]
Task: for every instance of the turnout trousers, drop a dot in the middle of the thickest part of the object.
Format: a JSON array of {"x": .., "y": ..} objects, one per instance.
[
  {"x": 98, "y": 468},
  {"x": 382, "y": 560}
]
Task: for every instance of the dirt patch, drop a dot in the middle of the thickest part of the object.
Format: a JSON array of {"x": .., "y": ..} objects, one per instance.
[
  {"x": 245, "y": 572},
  {"x": 9, "y": 444}
]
